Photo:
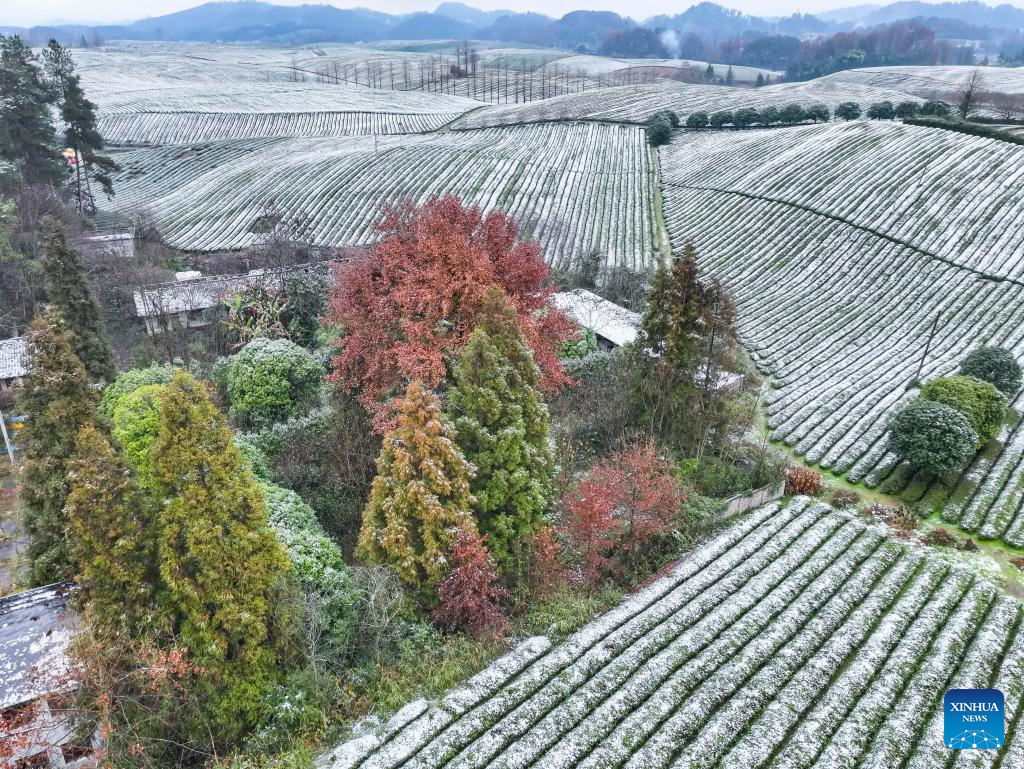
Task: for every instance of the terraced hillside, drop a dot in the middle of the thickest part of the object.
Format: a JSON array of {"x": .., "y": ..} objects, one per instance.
[
  {"x": 209, "y": 112},
  {"x": 798, "y": 638},
  {"x": 636, "y": 103},
  {"x": 574, "y": 187},
  {"x": 932, "y": 81},
  {"x": 843, "y": 245}
]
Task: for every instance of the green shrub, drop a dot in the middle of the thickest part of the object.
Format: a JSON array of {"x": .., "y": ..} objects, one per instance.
[
  {"x": 129, "y": 381},
  {"x": 934, "y": 107},
  {"x": 696, "y": 509},
  {"x": 995, "y": 365},
  {"x": 135, "y": 426},
  {"x": 714, "y": 477},
  {"x": 254, "y": 457},
  {"x": 269, "y": 380},
  {"x": 881, "y": 110},
  {"x": 792, "y": 114},
  {"x": 697, "y": 120},
  {"x": 745, "y": 117},
  {"x": 581, "y": 346},
  {"x": 932, "y": 437},
  {"x": 671, "y": 117},
  {"x": 328, "y": 457},
  {"x": 906, "y": 109},
  {"x": 965, "y": 127},
  {"x": 659, "y": 130},
  {"x": 980, "y": 402},
  {"x": 769, "y": 116},
  {"x": 297, "y": 709},
  {"x": 848, "y": 110},
  {"x": 329, "y": 586},
  {"x": 719, "y": 119},
  {"x": 819, "y": 113},
  {"x": 590, "y": 418}
]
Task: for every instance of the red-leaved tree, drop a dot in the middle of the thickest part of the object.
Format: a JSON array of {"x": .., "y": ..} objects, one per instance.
[
  {"x": 406, "y": 310},
  {"x": 470, "y": 597},
  {"x": 613, "y": 519},
  {"x": 545, "y": 572}
]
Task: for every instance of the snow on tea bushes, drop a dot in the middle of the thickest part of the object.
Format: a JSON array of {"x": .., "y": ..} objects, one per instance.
[
  {"x": 954, "y": 196},
  {"x": 931, "y": 81},
  {"x": 574, "y": 187},
  {"x": 150, "y": 128},
  {"x": 260, "y": 110},
  {"x": 840, "y": 270},
  {"x": 594, "y": 66},
  {"x": 636, "y": 103},
  {"x": 798, "y": 637}
]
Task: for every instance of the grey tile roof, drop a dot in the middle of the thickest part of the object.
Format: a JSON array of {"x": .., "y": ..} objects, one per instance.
[
  {"x": 35, "y": 630},
  {"x": 12, "y": 354}
]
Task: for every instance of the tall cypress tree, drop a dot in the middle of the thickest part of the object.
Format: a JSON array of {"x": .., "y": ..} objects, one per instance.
[
  {"x": 27, "y": 136},
  {"x": 499, "y": 319},
  {"x": 111, "y": 535},
  {"x": 70, "y": 297},
  {"x": 80, "y": 132},
  {"x": 513, "y": 485},
  {"x": 58, "y": 401},
  {"x": 673, "y": 324},
  {"x": 221, "y": 567},
  {"x": 420, "y": 499}
]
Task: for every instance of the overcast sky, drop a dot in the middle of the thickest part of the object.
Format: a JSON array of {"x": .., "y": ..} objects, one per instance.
[{"x": 29, "y": 12}]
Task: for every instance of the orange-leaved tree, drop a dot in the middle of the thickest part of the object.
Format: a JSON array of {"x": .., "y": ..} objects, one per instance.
[
  {"x": 406, "y": 309},
  {"x": 420, "y": 499}
]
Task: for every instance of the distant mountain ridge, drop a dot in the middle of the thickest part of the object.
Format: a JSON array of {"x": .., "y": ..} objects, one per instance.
[{"x": 262, "y": 22}]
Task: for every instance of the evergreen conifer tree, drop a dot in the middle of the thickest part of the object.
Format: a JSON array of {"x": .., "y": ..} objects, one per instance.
[
  {"x": 80, "y": 133},
  {"x": 671, "y": 349},
  {"x": 58, "y": 401},
  {"x": 500, "y": 320},
  {"x": 420, "y": 499},
  {"x": 27, "y": 136},
  {"x": 70, "y": 297},
  {"x": 672, "y": 325},
  {"x": 221, "y": 567},
  {"x": 513, "y": 485},
  {"x": 111, "y": 535}
]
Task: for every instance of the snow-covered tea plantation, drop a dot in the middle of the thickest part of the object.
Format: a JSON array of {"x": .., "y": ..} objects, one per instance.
[
  {"x": 269, "y": 109},
  {"x": 934, "y": 81},
  {"x": 843, "y": 245},
  {"x": 575, "y": 187},
  {"x": 636, "y": 103},
  {"x": 799, "y": 637}
]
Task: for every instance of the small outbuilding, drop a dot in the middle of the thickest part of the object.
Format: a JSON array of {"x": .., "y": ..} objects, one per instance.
[
  {"x": 612, "y": 324},
  {"x": 12, "y": 363},
  {"x": 36, "y": 627}
]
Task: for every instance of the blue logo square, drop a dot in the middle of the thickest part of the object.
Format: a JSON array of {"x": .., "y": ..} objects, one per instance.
[{"x": 973, "y": 719}]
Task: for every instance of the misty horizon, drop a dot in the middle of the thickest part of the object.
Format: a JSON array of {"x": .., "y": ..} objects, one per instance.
[{"x": 22, "y": 13}]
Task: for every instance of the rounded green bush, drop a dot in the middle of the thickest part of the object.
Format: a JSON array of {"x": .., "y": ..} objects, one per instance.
[
  {"x": 270, "y": 380},
  {"x": 980, "y": 402},
  {"x": 995, "y": 365},
  {"x": 932, "y": 437},
  {"x": 128, "y": 382},
  {"x": 659, "y": 130},
  {"x": 848, "y": 110},
  {"x": 320, "y": 567},
  {"x": 697, "y": 120},
  {"x": 934, "y": 107},
  {"x": 135, "y": 425}
]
